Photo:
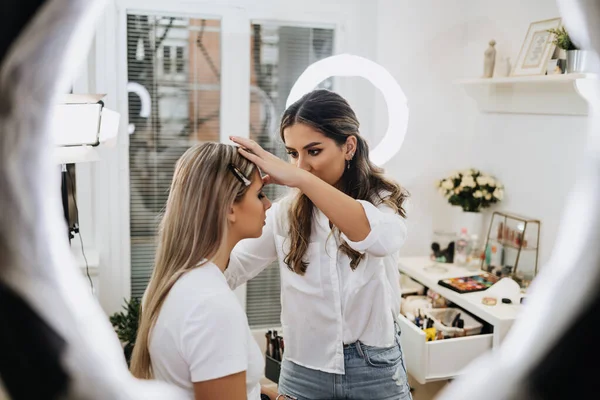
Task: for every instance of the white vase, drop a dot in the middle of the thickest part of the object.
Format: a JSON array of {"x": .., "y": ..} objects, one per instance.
[
  {"x": 577, "y": 61},
  {"x": 473, "y": 222}
]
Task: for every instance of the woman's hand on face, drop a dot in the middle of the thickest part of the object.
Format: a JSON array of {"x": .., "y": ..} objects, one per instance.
[{"x": 278, "y": 171}]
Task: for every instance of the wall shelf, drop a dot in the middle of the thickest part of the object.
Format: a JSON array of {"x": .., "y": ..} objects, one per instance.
[{"x": 564, "y": 94}]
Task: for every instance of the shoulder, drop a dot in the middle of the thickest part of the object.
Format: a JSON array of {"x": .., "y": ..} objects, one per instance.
[
  {"x": 393, "y": 200},
  {"x": 203, "y": 291},
  {"x": 221, "y": 306},
  {"x": 377, "y": 198},
  {"x": 202, "y": 281},
  {"x": 212, "y": 314}
]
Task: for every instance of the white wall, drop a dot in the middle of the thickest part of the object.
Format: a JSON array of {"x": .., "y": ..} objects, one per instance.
[{"x": 428, "y": 44}]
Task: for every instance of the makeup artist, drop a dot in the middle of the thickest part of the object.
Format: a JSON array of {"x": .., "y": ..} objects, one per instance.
[{"x": 336, "y": 238}]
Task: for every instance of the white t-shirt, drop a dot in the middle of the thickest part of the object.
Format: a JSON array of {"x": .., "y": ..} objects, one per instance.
[{"x": 202, "y": 333}]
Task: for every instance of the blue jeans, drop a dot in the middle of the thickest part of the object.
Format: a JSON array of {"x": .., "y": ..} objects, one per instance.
[{"x": 371, "y": 373}]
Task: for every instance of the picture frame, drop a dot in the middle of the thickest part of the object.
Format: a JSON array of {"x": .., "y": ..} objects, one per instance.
[{"x": 537, "y": 48}]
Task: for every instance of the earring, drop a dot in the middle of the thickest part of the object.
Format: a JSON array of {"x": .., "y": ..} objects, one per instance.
[{"x": 348, "y": 161}]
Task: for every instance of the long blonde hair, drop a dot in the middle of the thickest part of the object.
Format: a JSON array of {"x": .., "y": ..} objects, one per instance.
[{"x": 192, "y": 229}]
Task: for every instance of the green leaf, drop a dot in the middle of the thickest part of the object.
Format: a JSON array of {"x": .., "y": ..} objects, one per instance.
[
  {"x": 562, "y": 39},
  {"x": 126, "y": 325}
]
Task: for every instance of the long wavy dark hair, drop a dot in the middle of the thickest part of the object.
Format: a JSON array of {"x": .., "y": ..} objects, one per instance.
[{"x": 329, "y": 113}]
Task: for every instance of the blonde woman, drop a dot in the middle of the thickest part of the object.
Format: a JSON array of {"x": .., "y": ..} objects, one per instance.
[{"x": 193, "y": 332}]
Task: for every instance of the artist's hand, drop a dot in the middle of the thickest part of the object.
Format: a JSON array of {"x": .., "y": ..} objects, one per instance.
[
  {"x": 272, "y": 393},
  {"x": 278, "y": 171}
]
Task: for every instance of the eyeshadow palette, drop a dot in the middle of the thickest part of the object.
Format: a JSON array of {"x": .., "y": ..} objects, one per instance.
[{"x": 469, "y": 284}]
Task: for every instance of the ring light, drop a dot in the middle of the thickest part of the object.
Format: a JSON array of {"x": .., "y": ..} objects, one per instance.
[{"x": 351, "y": 65}]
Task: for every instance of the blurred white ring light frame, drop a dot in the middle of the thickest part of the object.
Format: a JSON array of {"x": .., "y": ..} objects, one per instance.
[
  {"x": 145, "y": 101},
  {"x": 351, "y": 65}
]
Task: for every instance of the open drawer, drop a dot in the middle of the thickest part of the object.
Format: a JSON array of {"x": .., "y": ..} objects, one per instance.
[{"x": 439, "y": 359}]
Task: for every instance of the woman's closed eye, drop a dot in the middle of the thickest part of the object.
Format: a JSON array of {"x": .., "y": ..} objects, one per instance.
[
  {"x": 311, "y": 152},
  {"x": 261, "y": 195}
]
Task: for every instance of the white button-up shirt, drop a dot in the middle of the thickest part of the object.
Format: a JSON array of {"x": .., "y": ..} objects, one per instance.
[{"x": 330, "y": 305}]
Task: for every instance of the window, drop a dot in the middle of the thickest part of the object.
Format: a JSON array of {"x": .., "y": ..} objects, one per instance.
[
  {"x": 166, "y": 59},
  {"x": 175, "y": 80},
  {"x": 179, "y": 63},
  {"x": 184, "y": 108},
  {"x": 279, "y": 54}
]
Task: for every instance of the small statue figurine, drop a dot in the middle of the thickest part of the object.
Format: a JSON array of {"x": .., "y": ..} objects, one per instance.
[{"x": 489, "y": 60}]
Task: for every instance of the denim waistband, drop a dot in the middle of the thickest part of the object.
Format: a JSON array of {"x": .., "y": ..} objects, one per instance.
[{"x": 354, "y": 344}]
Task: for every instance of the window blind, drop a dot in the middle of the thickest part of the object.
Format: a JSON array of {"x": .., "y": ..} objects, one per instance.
[
  {"x": 279, "y": 54},
  {"x": 176, "y": 62}
]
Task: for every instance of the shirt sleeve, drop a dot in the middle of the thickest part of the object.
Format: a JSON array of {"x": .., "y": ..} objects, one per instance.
[
  {"x": 214, "y": 339},
  {"x": 251, "y": 256},
  {"x": 388, "y": 231}
]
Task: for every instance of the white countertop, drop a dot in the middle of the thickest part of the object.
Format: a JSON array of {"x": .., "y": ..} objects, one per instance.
[{"x": 415, "y": 268}]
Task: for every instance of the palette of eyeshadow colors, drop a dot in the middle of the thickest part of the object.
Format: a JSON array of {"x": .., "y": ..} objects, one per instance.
[{"x": 469, "y": 284}]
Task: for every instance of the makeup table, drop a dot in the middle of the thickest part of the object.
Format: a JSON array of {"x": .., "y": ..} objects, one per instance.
[{"x": 444, "y": 359}]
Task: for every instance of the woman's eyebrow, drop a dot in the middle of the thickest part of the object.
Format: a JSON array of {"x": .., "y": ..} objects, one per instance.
[{"x": 311, "y": 144}]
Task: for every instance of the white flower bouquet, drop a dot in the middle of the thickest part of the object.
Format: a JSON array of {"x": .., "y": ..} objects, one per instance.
[{"x": 471, "y": 189}]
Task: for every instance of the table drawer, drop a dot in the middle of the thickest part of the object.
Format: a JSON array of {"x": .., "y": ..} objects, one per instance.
[{"x": 439, "y": 359}]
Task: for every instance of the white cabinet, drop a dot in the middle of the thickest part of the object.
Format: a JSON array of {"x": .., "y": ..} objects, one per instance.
[{"x": 444, "y": 359}]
